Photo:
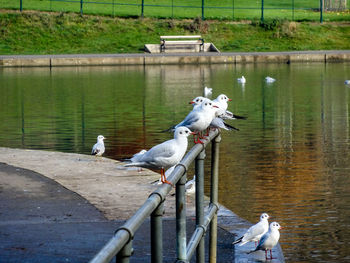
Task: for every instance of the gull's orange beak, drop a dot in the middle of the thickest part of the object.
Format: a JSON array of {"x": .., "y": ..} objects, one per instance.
[
  {"x": 191, "y": 102},
  {"x": 215, "y": 106},
  {"x": 229, "y": 99}
]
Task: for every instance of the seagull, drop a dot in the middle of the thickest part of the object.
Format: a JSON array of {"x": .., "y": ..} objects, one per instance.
[
  {"x": 137, "y": 156},
  {"x": 208, "y": 91},
  {"x": 99, "y": 148},
  {"x": 223, "y": 113},
  {"x": 164, "y": 155},
  {"x": 199, "y": 118},
  {"x": 347, "y": 82},
  {"x": 217, "y": 122},
  {"x": 241, "y": 80},
  {"x": 269, "y": 240},
  {"x": 190, "y": 186},
  {"x": 255, "y": 232},
  {"x": 269, "y": 79}
]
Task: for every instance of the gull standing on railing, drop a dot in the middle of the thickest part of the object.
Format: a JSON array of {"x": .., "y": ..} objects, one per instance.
[
  {"x": 255, "y": 232},
  {"x": 223, "y": 113},
  {"x": 164, "y": 155},
  {"x": 99, "y": 148}
]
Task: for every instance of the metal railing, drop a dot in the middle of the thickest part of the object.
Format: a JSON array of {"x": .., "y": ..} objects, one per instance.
[
  {"x": 228, "y": 9},
  {"x": 120, "y": 245}
]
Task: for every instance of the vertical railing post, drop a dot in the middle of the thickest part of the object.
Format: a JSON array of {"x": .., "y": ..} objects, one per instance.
[
  {"x": 262, "y": 11},
  {"x": 181, "y": 219},
  {"x": 321, "y": 11},
  {"x": 21, "y": 5},
  {"x": 214, "y": 196},
  {"x": 81, "y": 7},
  {"x": 202, "y": 9},
  {"x": 142, "y": 7},
  {"x": 157, "y": 234},
  {"x": 124, "y": 255},
  {"x": 199, "y": 172}
]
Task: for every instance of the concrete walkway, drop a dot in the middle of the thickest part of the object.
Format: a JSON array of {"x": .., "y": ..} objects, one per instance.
[{"x": 61, "y": 207}]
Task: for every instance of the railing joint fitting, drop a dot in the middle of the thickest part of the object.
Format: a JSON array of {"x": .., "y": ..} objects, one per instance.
[
  {"x": 162, "y": 199},
  {"x": 184, "y": 166},
  {"x": 131, "y": 234}
]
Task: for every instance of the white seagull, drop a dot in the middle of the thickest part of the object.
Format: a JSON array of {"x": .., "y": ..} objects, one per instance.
[
  {"x": 269, "y": 240},
  {"x": 269, "y": 79},
  {"x": 241, "y": 80},
  {"x": 136, "y": 157},
  {"x": 255, "y": 232},
  {"x": 164, "y": 155},
  {"x": 199, "y": 118},
  {"x": 208, "y": 91},
  {"x": 223, "y": 113},
  {"x": 217, "y": 122},
  {"x": 347, "y": 82},
  {"x": 190, "y": 186},
  {"x": 99, "y": 148}
]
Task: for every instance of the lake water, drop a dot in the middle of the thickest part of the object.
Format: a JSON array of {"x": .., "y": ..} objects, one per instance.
[{"x": 289, "y": 159}]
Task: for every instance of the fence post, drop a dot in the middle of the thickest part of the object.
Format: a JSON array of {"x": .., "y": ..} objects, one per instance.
[
  {"x": 214, "y": 196},
  {"x": 20, "y": 5},
  {"x": 199, "y": 172},
  {"x": 124, "y": 255},
  {"x": 262, "y": 11},
  {"x": 81, "y": 7},
  {"x": 142, "y": 7},
  {"x": 203, "y": 10},
  {"x": 293, "y": 7},
  {"x": 181, "y": 219},
  {"x": 157, "y": 234},
  {"x": 321, "y": 11},
  {"x": 233, "y": 9}
]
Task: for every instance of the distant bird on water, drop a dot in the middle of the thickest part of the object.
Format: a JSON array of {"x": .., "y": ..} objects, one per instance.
[
  {"x": 269, "y": 240},
  {"x": 269, "y": 79},
  {"x": 208, "y": 91},
  {"x": 347, "y": 82},
  {"x": 255, "y": 232},
  {"x": 241, "y": 80},
  {"x": 99, "y": 148}
]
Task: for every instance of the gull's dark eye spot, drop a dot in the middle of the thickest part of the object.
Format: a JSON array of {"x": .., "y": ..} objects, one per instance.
[
  {"x": 209, "y": 103},
  {"x": 180, "y": 132},
  {"x": 186, "y": 131},
  {"x": 206, "y": 104}
]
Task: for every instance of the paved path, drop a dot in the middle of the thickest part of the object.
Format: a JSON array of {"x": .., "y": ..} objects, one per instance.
[{"x": 53, "y": 210}]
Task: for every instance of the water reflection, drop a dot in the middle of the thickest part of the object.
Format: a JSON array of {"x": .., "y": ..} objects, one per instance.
[{"x": 289, "y": 159}]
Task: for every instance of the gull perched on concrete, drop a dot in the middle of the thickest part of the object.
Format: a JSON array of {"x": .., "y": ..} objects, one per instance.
[
  {"x": 269, "y": 79},
  {"x": 99, "y": 148},
  {"x": 241, "y": 80},
  {"x": 164, "y": 155},
  {"x": 223, "y": 113},
  {"x": 199, "y": 118},
  {"x": 255, "y": 232},
  {"x": 208, "y": 91},
  {"x": 269, "y": 240}
]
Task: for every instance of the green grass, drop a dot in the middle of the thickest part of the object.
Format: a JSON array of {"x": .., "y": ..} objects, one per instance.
[
  {"x": 304, "y": 10},
  {"x": 68, "y": 33}
]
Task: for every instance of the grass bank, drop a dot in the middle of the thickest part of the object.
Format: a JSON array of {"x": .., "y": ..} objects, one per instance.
[{"x": 68, "y": 33}]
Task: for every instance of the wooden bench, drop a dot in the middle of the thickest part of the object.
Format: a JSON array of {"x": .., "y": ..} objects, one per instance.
[{"x": 181, "y": 41}]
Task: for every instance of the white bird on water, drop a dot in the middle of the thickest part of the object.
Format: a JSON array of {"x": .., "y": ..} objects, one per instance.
[
  {"x": 255, "y": 232},
  {"x": 190, "y": 186},
  {"x": 347, "y": 82},
  {"x": 208, "y": 91},
  {"x": 269, "y": 79},
  {"x": 241, "y": 80},
  {"x": 99, "y": 148},
  {"x": 269, "y": 240},
  {"x": 164, "y": 155}
]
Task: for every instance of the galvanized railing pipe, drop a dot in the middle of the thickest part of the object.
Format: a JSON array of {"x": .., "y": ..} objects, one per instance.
[
  {"x": 214, "y": 197},
  {"x": 200, "y": 230},
  {"x": 181, "y": 241},
  {"x": 125, "y": 234},
  {"x": 199, "y": 172},
  {"x": 157, "y": 234}
]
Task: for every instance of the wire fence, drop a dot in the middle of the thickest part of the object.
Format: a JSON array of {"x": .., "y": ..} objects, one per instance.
[{"x": 296, "y": 10}]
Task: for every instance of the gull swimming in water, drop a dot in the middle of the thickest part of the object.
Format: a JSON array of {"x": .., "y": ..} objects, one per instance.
[
  {"x": 269, "y": 79},
  {"x": 347, "y": 82},
  {"x": 255, "y": 232},
  {"x": 241, "y": 80},
  {"x": 269, "y": 240},
  {"x": 99, "y": 148},
  {"x": 164, "y": 155},
  {"x": 208, "y": 91}
]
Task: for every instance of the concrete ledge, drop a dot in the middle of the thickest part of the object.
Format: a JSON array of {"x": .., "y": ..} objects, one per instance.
[{"x": 174, "y": 58}]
